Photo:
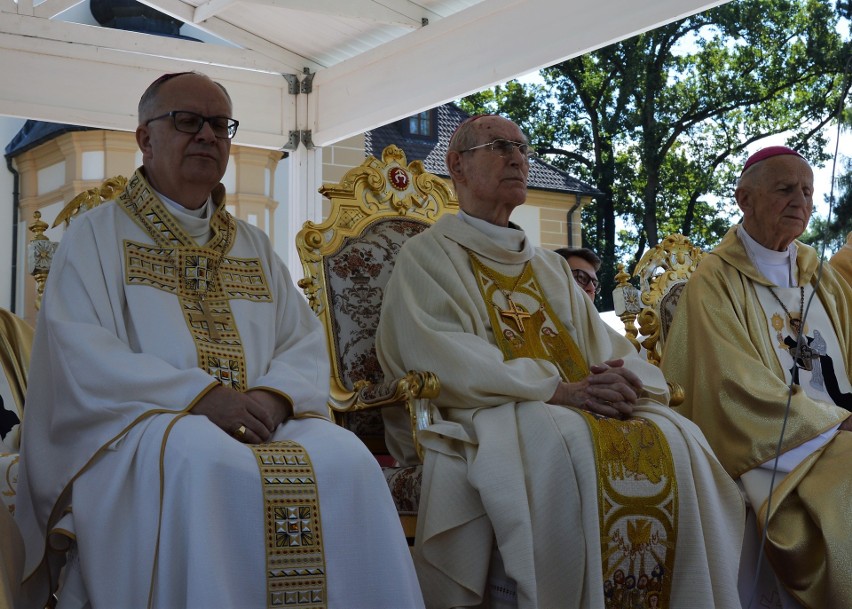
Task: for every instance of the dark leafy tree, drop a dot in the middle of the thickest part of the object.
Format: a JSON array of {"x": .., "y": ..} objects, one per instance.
[
  {"x": 830, "y": 232},
  {"x": 660, "y": 123}
]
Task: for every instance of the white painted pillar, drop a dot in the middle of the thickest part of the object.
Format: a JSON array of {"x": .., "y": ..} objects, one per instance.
[{"x": 299, "y": 201}]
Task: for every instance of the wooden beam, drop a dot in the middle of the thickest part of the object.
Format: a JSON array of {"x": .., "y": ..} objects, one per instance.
[
  {"x": 403, "y": 13},
  {"x": 51, "y": 8},
  {"x": 486, "y": 44},
  {"x": 98, "y": 87},
  {"x": 231, "y": 34}
]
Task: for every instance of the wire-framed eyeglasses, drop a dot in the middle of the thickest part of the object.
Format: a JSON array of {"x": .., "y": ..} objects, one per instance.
[
  {"x": 505, "y": 148},
  {"x": 584, "y": 279},
  {"x": 192, "y": 122}
]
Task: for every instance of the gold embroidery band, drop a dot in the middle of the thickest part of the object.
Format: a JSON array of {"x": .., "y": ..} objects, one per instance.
[
  {"x": 638, "y": 511},
  {"x": 544, "y": 335},
  {"x": 295, "y": 574},
  {"x": 637, "y": 489},
  {"x": 202, "y": 277}
]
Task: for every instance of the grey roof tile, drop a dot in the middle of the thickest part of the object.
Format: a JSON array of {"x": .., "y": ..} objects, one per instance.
[{"x": 543, "y": 176}]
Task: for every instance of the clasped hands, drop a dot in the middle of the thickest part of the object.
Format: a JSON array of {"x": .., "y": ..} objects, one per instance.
[
  {"x": 610, "y": 390},
  {"x": 255, "y": 413}
]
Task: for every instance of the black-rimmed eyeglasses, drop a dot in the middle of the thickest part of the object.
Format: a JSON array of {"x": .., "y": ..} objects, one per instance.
[
  {"x": 505, "y": 148},
  {"x": 192, "y": 122},
  {"x": 584, "y": 279}
]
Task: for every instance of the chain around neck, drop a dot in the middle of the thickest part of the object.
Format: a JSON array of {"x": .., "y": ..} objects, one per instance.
[{"x": 786, "y": 311}]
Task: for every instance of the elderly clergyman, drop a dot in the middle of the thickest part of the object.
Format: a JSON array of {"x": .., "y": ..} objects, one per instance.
[
  {"x": 759, "y": 324},
  {"x": 551, "y": 435}
]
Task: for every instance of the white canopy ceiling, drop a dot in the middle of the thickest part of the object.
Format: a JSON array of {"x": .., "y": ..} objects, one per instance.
[{"x": 368, "y": 62}]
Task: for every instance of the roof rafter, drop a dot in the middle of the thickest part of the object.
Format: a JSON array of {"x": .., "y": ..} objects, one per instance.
[
  {"x": 230, "y": 33},
  {"x": 19, "y": 32},
  {"x": 393, "y": 12},
  {"x": 93, "y": 76},
  {"x": 51, "y": 8}
]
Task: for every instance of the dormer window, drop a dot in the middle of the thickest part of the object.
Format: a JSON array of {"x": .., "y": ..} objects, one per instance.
[{"x": 423, "y": 124}]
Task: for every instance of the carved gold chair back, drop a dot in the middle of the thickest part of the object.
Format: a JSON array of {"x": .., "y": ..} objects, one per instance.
[
  {"x": 662, "y": 273},
  {"x": 347, "y": 261}
]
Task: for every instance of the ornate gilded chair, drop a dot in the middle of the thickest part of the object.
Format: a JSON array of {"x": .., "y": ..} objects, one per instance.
[
  {"x": 16, "y": 338},
  {"x": 347, "y": 261},
  {"x": 662, "y": 274},
  {"x": 40, "y": 249}
]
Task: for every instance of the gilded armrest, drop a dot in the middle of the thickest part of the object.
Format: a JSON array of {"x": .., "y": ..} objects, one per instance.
[
  {"x": 414, "y": 390},
  {"x": 676, "y": 393}
]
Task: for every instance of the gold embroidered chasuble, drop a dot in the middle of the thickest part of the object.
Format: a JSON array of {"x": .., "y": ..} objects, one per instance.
[
  {"x": 637, "y": 489},
  {"x": 738, "y": 390},
  {"x": 112, "y": 427},
  {"x": 202, "y": 277},
  {"x": 724, "y": 341},
  {"x": 205, "y": 279},
  {"x": 556, "y": 490}
]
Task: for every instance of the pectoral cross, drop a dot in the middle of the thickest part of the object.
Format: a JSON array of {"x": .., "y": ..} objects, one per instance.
[
  {"x": 803, "y": 355},
  {"x": 211, "y": 319},
  {"x": 515, "y": 314}
]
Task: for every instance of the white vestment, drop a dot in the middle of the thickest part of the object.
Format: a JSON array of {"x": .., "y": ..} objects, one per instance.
[
  {"x": 165, "y": 508},
  {"x": 502, "y": 464}
]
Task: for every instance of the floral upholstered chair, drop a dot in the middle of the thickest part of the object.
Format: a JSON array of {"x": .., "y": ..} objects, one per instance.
[
  {"x": 662, "y": 273},
  {"x": 347, "y": 261}
]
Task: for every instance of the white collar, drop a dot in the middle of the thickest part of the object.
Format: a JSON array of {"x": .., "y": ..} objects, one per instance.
[
  {"x": 505, "y": 236},
  {"x": 196, "y": 222},
  {"x": 778, "y": 267}
]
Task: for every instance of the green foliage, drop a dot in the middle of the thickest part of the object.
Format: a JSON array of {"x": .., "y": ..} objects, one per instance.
[
  {"x": 821, "y": 237},
  {"x": 659, "y": 123},
  {"x": 832, "y": 231},
  {"x": 841, "y": 222}
]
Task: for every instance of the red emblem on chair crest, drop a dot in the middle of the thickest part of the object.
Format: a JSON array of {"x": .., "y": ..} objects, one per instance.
[{"x": 398, "y": 178}]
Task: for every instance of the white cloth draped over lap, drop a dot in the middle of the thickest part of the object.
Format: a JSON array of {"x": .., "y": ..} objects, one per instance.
[
  {"x": 202, "y": 541},
  {"x": 502, "y": 463},
  {"x": 118, "y": 365}
]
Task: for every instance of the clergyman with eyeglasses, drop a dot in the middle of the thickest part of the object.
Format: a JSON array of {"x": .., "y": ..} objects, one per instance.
[
  {"x": 551, "y": 437},
  {"x": 177, "y": 449}
]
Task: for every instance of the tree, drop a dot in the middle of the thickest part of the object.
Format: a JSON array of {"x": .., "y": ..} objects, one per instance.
[
  {"x": 831, "y": 232},
  {"x": 660, "y": 122}
]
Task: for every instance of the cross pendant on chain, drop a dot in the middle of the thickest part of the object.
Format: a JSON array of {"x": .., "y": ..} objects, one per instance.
[
  {"x": 515, "y": 314},
  {"x": 804, "y": 355},
  {"x": 211, "y": 319}
]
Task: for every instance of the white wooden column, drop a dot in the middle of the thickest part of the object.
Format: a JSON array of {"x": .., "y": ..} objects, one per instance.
[{"x": 301, "y": 201}]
